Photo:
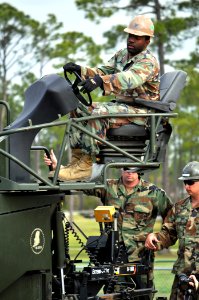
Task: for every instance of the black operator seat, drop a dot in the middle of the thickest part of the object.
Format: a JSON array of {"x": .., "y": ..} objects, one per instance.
[
  {"x": 45, "y": 100},
  {"x": 135, "y": 139}
]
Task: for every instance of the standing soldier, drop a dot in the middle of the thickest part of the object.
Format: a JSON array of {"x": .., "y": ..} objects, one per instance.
[
  {"x": 131, "y": 73},
  {"x": 139, "y": 203},
  {"x": 182, "y": 223}
]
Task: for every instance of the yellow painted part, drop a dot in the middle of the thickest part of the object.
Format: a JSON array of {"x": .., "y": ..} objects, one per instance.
[{"x": 104, "y": 213}]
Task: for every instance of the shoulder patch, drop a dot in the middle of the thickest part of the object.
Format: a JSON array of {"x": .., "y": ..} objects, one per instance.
[{"x": 151, "y": 186}]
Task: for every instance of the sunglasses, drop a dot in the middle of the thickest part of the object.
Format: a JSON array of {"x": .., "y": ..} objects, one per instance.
[{"x": 190, "y": 182}]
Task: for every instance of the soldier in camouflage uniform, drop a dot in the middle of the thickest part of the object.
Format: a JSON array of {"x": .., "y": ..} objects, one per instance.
[
  {"x": 182, "y": 223},
  {"x": 138, "y": 202},
  {"x": 132, "y": 72}
]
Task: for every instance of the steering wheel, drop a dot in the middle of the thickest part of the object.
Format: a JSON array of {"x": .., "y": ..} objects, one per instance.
[{"x": 76, "y": 90}]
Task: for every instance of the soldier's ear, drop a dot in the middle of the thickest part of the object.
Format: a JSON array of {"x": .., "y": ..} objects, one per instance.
[{"x": 148, "y": 41}]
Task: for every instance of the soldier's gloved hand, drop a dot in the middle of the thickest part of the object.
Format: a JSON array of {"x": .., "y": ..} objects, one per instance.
[
  {"x": 91, "y": 84},
  {"x": 71, "y": 67}
]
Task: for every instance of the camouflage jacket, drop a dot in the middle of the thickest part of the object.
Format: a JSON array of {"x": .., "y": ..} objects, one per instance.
[
  {"x": 129, "y": 77},
  {"x": 138, "y": 211},
  {"x": 182, "y": 223}
]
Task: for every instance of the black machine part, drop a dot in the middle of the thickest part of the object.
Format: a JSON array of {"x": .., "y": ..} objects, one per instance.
[
  {"x": 76, "y": 89},
  {"x": 51, "y": 94},
  {"x": 107, "y": 269}
]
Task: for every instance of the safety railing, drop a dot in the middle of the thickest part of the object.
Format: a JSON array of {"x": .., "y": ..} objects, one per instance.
[{"x": 46, "y": 184}]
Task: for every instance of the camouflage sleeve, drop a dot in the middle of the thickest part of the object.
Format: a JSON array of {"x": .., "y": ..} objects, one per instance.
[
  {"x": 108, "y": 195},
  {"x": 115, "y": 81},
  {"x": 135, "y": 76},
  {"x": 90, "y": 72},
  {"x": 111, "y": 196},
  {"x": 164, "y": 203},
  {"x": 168, "y": 235},
  {"x": 99, "y": 193}
]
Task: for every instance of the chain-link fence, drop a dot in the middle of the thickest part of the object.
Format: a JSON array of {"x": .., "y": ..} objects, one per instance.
[{"x": 163, "y": 277}]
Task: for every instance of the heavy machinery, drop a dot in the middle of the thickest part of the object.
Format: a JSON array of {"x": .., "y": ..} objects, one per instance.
[{"x": 35, "y": 263}]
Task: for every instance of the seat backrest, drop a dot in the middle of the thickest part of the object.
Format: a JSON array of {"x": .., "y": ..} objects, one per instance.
[{"x": 171, "y": 85}]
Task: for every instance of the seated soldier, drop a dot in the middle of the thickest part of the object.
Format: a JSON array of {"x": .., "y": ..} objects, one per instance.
[{"x": 132, "y": 72}]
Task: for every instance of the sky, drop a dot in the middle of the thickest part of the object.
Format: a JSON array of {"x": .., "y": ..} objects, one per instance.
[
  {"x": 66, "y": 11},
  {"x": 74, "y": 20}
]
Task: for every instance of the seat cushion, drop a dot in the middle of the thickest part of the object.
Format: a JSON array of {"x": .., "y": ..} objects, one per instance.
[{"x": 129, "y": 130}]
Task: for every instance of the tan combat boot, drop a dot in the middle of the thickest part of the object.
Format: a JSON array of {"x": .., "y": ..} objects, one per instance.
[
  {"x": 81, "y": 170},
  {"x": 75, "y": 156}
]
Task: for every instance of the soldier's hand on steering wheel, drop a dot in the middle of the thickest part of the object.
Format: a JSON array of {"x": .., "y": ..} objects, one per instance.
[
  {"x": 91, "y": 84},
  {"x": 71, "y": 67}
]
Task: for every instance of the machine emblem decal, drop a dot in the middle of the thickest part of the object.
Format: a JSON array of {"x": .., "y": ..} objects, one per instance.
[{"x": 37, "y": 241}]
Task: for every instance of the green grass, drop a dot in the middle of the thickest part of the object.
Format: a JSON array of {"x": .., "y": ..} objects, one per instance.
[
  {"x": 163, "y": 262},
  {"x": 163, "y": 282},
  {"x": 89, "y": 227}
]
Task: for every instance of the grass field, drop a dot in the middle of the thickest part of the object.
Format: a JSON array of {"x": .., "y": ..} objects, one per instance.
[{"x": 163, "y": 262}]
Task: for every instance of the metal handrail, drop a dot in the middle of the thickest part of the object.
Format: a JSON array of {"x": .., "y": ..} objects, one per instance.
[
  {"x": 73, "y": 122},
  {"x": 7, "y": 108}
]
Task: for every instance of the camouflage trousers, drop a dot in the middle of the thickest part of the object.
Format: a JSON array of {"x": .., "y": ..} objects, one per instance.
[
  {"x": 89, "y": 145},
  {"x": 176, "y": 294}
]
